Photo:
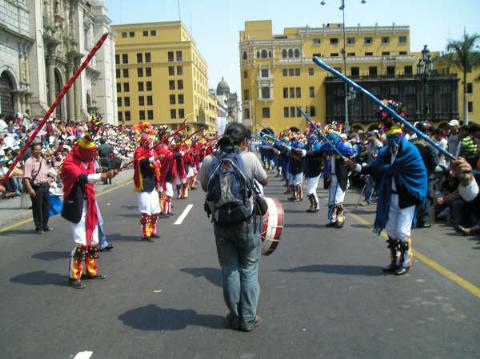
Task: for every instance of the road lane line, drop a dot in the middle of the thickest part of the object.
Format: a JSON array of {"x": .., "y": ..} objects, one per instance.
[
  {"x": 184, "y": 214},
  {"x": 83, "y": 355},
  {"x": 465, "y": 284},
  {"x": 25, "y": 221}
]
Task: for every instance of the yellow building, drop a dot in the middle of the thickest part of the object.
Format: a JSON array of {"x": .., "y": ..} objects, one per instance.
[
  {"x": 278, "y": 75},
  {"x": 161, "y": 76}
]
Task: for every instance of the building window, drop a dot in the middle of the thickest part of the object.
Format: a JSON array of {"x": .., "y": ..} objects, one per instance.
[
  {"x": 297, "y": 71},
  {"x": 264, "y": 54},
  {"x": 285, "y": 112},
  {"x": 179, "y": 70},
  {"x": 368, "y": 40},
  {"x": 372, "y": 71},
  {"x": 385, "y": 39},
  {"x": 125, "y": 73},
  {"x": 171, "y": 85},
  {"x": 334, "y": 41},
  {"x": 150, "y": 114},
  {"x": 141, "y": 115},
  {"x": 402, "y": 53},
  {"x": 139, "y": 72},
  {"x": 127, "y": 116},
  {"x": 285, "y": 72},
  {"x": 292, "y": 111},
  {"x": 139, "y": 58},
  {"x": 173, "y": 114},
  {"x": 269, "y": 53},
  {"x": 149, "y": 85},
  {"x": 180, "y": 99},
  {"x": 170, "y": 56},
  {"x": 470, "y": 106},
  {"x": 334, "y": 54},
  {"x": 153, "y": 32},
  {"x": 125, "y": 58},
  {"x": 140, "y": 86},
  {"x": 119, "y": 101},
  {"x": 244, "y": 56},
  {"x": 148, "y": 57},
  {"x": 126, "y": 87},
  {"x": 149, "y": 100},
  {"x": 312, "y": 91},
  {"x": 386, "y": 53},
  {"x": 408, "y": 70},
  {"x": 311, "y": 71},
  {"x": 131, "y": 34},
  {"x": 369, "y": 54},
  {"x": 117, "y": 73},
  {"x": 172, "y": 99},
  {"x": 265, "y": 92},
  {"x": 179, "y": 55},
  {"x": 245, "y": 74},
  {"x": 124, "y": 35},
  {"x": 141, "y": 101},
  {"x": 469, "y": 87},
  {"x": 298, "y": 92},
  {"x": 285, "y": 92},
  {"x": 390, "y": 71},
  {"x": 316, "y": 41},
  {"x": 290, "y": 53},
  {"x": 297, "y": 53},
  {"x": 246, "y": 95},
  {"x": 181, "y": 113},
  {"x": 292, "y": 92},
  {"x": 350, "y": 40},
  {"x": 117, "y": 59},
  {"x": 126, "y": 101},
  {"x": 120, "y": 115},
  {"x": 180, "y": 84},
  {"x": 119, "y": 87},
  {"x": 264, "y": 72},
  {"x": 171, "y": 70},
  {"x": 266, "y": 112},
  {"x": 402, "y": 39},
  {"x": 148, "y": 71},
  {"x": 355, "y": 71},
  {"x": 145, "y": 33},
  {"x": 284, "y": 53},
  {"x": 317, "y": 55},
  {"x": 351, "y": 54}
]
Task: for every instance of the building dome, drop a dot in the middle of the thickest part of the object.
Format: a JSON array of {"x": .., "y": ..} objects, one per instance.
[{"x": 223, "y": 88}]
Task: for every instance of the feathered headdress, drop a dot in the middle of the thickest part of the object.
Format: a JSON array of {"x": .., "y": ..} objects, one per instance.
[
  {"x": 390, "y": 124},
  {"x": 144, "y": 132}
]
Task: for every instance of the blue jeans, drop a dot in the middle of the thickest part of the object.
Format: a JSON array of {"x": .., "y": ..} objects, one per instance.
[
  {"x": 102, "y": 238},
  {"x": 239, "y": 250}
]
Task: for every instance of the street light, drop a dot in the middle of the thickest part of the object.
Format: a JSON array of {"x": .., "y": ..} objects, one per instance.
[
  {"x": 344, "y": 55},
  {"x": 424, "y": 69}
]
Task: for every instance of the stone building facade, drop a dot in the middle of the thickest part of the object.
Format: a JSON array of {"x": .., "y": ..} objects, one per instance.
[{"x": 52, "y": 38}]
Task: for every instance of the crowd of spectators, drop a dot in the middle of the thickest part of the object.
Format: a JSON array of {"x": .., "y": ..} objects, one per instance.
[{"x": 57, "y": 139}]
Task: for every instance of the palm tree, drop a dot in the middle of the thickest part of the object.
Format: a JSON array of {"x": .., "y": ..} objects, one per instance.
[{"x": 462, "y": 55}]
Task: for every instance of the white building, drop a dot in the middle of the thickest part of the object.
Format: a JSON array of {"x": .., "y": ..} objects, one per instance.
[{"x": 53, "y": 37}]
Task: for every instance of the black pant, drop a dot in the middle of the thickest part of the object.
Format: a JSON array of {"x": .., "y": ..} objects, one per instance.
[{"x": 40, "y": 206}]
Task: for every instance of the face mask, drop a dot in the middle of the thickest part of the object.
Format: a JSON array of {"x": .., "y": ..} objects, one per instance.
[{"x": 394, "y": 142}]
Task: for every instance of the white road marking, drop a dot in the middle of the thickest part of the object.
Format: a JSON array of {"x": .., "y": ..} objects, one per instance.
[
  {"x": 83, "y": 355},
  {"x": 184, "y": 214}
]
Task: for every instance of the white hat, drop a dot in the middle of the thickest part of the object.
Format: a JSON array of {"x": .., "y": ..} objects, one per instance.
[
  {"x": 454, "y": 123},
  {"x": 343, "y": 135}
]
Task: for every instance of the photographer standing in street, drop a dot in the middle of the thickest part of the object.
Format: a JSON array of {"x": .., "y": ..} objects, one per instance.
[{"x": 228, "y": 177}]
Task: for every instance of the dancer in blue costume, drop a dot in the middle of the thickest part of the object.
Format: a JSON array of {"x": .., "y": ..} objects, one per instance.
[
  {"x": 313, "y": 156},
  {"x": 402, "y": 186}
]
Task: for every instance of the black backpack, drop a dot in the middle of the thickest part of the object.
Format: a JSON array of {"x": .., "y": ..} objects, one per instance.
[{"x": 229, "y": 191}]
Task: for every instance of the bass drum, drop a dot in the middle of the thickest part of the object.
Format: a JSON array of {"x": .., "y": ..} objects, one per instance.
[{"x": 271, "y": 226}]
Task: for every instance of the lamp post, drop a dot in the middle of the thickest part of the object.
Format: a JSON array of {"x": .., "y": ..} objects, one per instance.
[
  {"x": 424, "y": 69},
  {"x": 344, "y": 55}
]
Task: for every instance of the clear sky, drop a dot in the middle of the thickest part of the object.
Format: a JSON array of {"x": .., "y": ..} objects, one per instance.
[{"x": 215, "y": 24}]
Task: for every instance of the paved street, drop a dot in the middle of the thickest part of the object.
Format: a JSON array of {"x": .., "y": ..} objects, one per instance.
[{"x": 323, "y": 294}]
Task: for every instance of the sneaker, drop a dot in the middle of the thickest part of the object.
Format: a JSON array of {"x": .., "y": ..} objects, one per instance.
[
  {"x": 390, "y": 269},
  {"x": 249, "y": 327},
  {"x": 402, "y": 270},
  {"x": 97, "y": 276},
  {"x": 48, "y": 229},
  {"x": 108, "y": 248},
  {"x": 76, "y": 284},
  {"x": 39, "y": 231}
]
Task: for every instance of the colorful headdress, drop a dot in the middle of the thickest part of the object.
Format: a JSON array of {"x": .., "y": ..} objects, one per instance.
[
  {"x": 144, "y": 132},
  {"x": 390, "y": 124}
]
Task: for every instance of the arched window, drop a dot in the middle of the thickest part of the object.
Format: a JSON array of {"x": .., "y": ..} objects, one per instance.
[
  {"x": 284, "y": 53},
  {"x": 264, "y": 54},
  {"x": 270, "y": 53},
  {"x": 258, "y": 54},
  {"x": 297, "y": 53},
  {"x": 244, "y": 56},
  {"x": 290, "y": 53}
]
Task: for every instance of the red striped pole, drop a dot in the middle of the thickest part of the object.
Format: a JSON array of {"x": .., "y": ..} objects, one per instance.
[{"x": 52, "y": 108}]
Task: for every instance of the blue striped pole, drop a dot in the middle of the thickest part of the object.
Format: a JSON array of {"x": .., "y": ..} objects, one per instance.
[{"x": 359, "y": 88}]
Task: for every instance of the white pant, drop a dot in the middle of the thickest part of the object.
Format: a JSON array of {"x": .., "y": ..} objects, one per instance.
[
  {"x": 399, "y": 222},
  {"x": 335, "y": 194},
  {"x": 149, "y": 202},
  {"x": 296, "y": 180},
  {"x": 312, "y": 184},
  {"x": 79, "y": 230}
]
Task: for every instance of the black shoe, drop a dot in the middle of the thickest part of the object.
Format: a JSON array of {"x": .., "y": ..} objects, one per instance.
[
  {"x": 76, "y": 284},
  {"x": 424, "y": 225},
  {"x": 155, "y": 236},
  {"x": 97, "y": 276},
  {"x": 48, "y": 229},
  {"x": 39, "y": 231},
  {"x": 390, "y": 269},
  {"x": 233, "y": 321},
  {"x": 250, "y": 327},
  {"x": 108, "y": 248},
  {"x": 402, "y": 270},
  {"x": 331, "y": 224},
  {"x": 339, "y": 224}
]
